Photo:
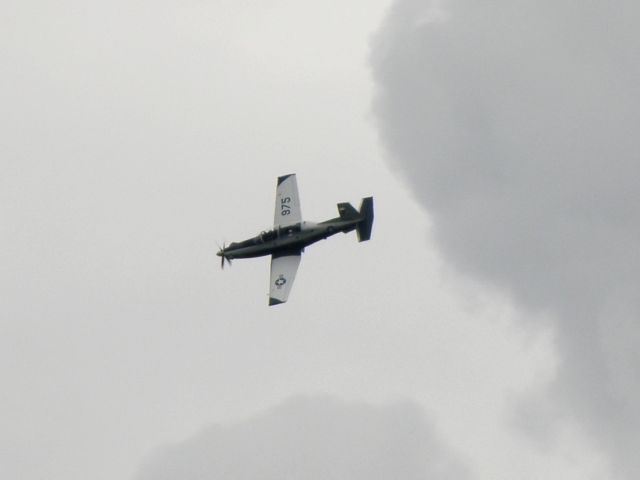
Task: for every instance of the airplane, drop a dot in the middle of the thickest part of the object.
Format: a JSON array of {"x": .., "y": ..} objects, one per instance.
[{"x": 290, "y": 235}]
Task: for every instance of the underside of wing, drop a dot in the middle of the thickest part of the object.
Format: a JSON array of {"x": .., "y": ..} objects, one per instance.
[
  {"x": 287, "y": 202},
  {"x": 283, "y": 273}
]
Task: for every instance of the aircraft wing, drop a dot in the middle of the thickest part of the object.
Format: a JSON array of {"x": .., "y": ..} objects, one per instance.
[
  {"x": 287, "y": 202},
  {"x": 283, "y": 273}
]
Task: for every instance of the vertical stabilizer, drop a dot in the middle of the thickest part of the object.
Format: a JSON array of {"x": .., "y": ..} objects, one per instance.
[{"x": 363, "y": 228}]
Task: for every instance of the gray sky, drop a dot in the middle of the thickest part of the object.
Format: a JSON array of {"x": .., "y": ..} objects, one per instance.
[
  {"x": 136, "y": 135},
  {"x": 316, "y": 438}
]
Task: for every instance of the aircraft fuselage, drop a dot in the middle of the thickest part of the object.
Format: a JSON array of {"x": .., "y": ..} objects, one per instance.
[{"x": 287, "y": 239}]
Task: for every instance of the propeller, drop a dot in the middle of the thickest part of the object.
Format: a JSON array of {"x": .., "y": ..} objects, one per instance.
[{"x": 223, "y": 257}]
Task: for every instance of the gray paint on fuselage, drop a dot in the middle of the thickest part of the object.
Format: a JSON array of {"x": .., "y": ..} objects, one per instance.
[{"x": 293, "y": 238}]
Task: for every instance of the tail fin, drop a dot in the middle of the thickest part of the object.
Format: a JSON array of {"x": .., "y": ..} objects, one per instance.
[
  {"x": 347, "y": 212},
  {"x": 364, "y": 217},
  {"x": 363, "y": 228}
]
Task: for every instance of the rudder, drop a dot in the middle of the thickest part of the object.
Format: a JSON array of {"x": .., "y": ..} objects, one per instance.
[{"x": 363, "y": 228}]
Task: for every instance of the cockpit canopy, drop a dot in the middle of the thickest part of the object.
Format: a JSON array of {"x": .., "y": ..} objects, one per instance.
[{"x": 268, "y": 235}]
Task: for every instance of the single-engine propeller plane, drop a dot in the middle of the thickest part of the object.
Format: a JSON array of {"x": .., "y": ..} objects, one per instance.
[{"x": 290, "y": 235}]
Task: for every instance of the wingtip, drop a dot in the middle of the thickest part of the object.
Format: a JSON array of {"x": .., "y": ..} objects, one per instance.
[
  {"x": 284, "y": 177},
  {"x": 274, "y": 301}
]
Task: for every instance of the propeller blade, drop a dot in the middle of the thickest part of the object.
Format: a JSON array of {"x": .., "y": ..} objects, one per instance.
[{"x": 223, "y": 257}]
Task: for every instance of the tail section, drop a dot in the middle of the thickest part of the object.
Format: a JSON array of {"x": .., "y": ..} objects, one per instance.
[
  {"x": 364, "y": 217},
  {"x": 347, "y": 212},
  {"x": 363, "y": 228}
]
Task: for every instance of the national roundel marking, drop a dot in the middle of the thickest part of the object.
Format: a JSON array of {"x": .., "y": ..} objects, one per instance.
[{"x": 280, "y": 281}]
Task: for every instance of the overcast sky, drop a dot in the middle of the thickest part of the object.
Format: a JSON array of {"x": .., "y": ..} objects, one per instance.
[
  {"x": 486, "y": 331},
  {"x": 513, "y": 122}
]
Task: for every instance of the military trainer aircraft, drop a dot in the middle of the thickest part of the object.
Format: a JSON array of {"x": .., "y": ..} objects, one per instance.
[{"x": 290, "y": 235}]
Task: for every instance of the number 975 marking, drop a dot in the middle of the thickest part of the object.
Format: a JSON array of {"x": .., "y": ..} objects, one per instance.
[{"x": 285, "y": 206}]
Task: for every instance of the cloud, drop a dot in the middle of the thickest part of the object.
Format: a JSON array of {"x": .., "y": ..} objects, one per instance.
[
  {"x": 312, "y": 438},
  {"x": 515, "y": 125}
]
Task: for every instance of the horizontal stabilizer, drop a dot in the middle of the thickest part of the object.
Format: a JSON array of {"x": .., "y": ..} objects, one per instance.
[{"x": 347, "y": 212}]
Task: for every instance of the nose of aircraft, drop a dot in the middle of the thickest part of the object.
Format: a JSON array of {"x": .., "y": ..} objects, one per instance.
[{"x": 224, "y": 256}]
